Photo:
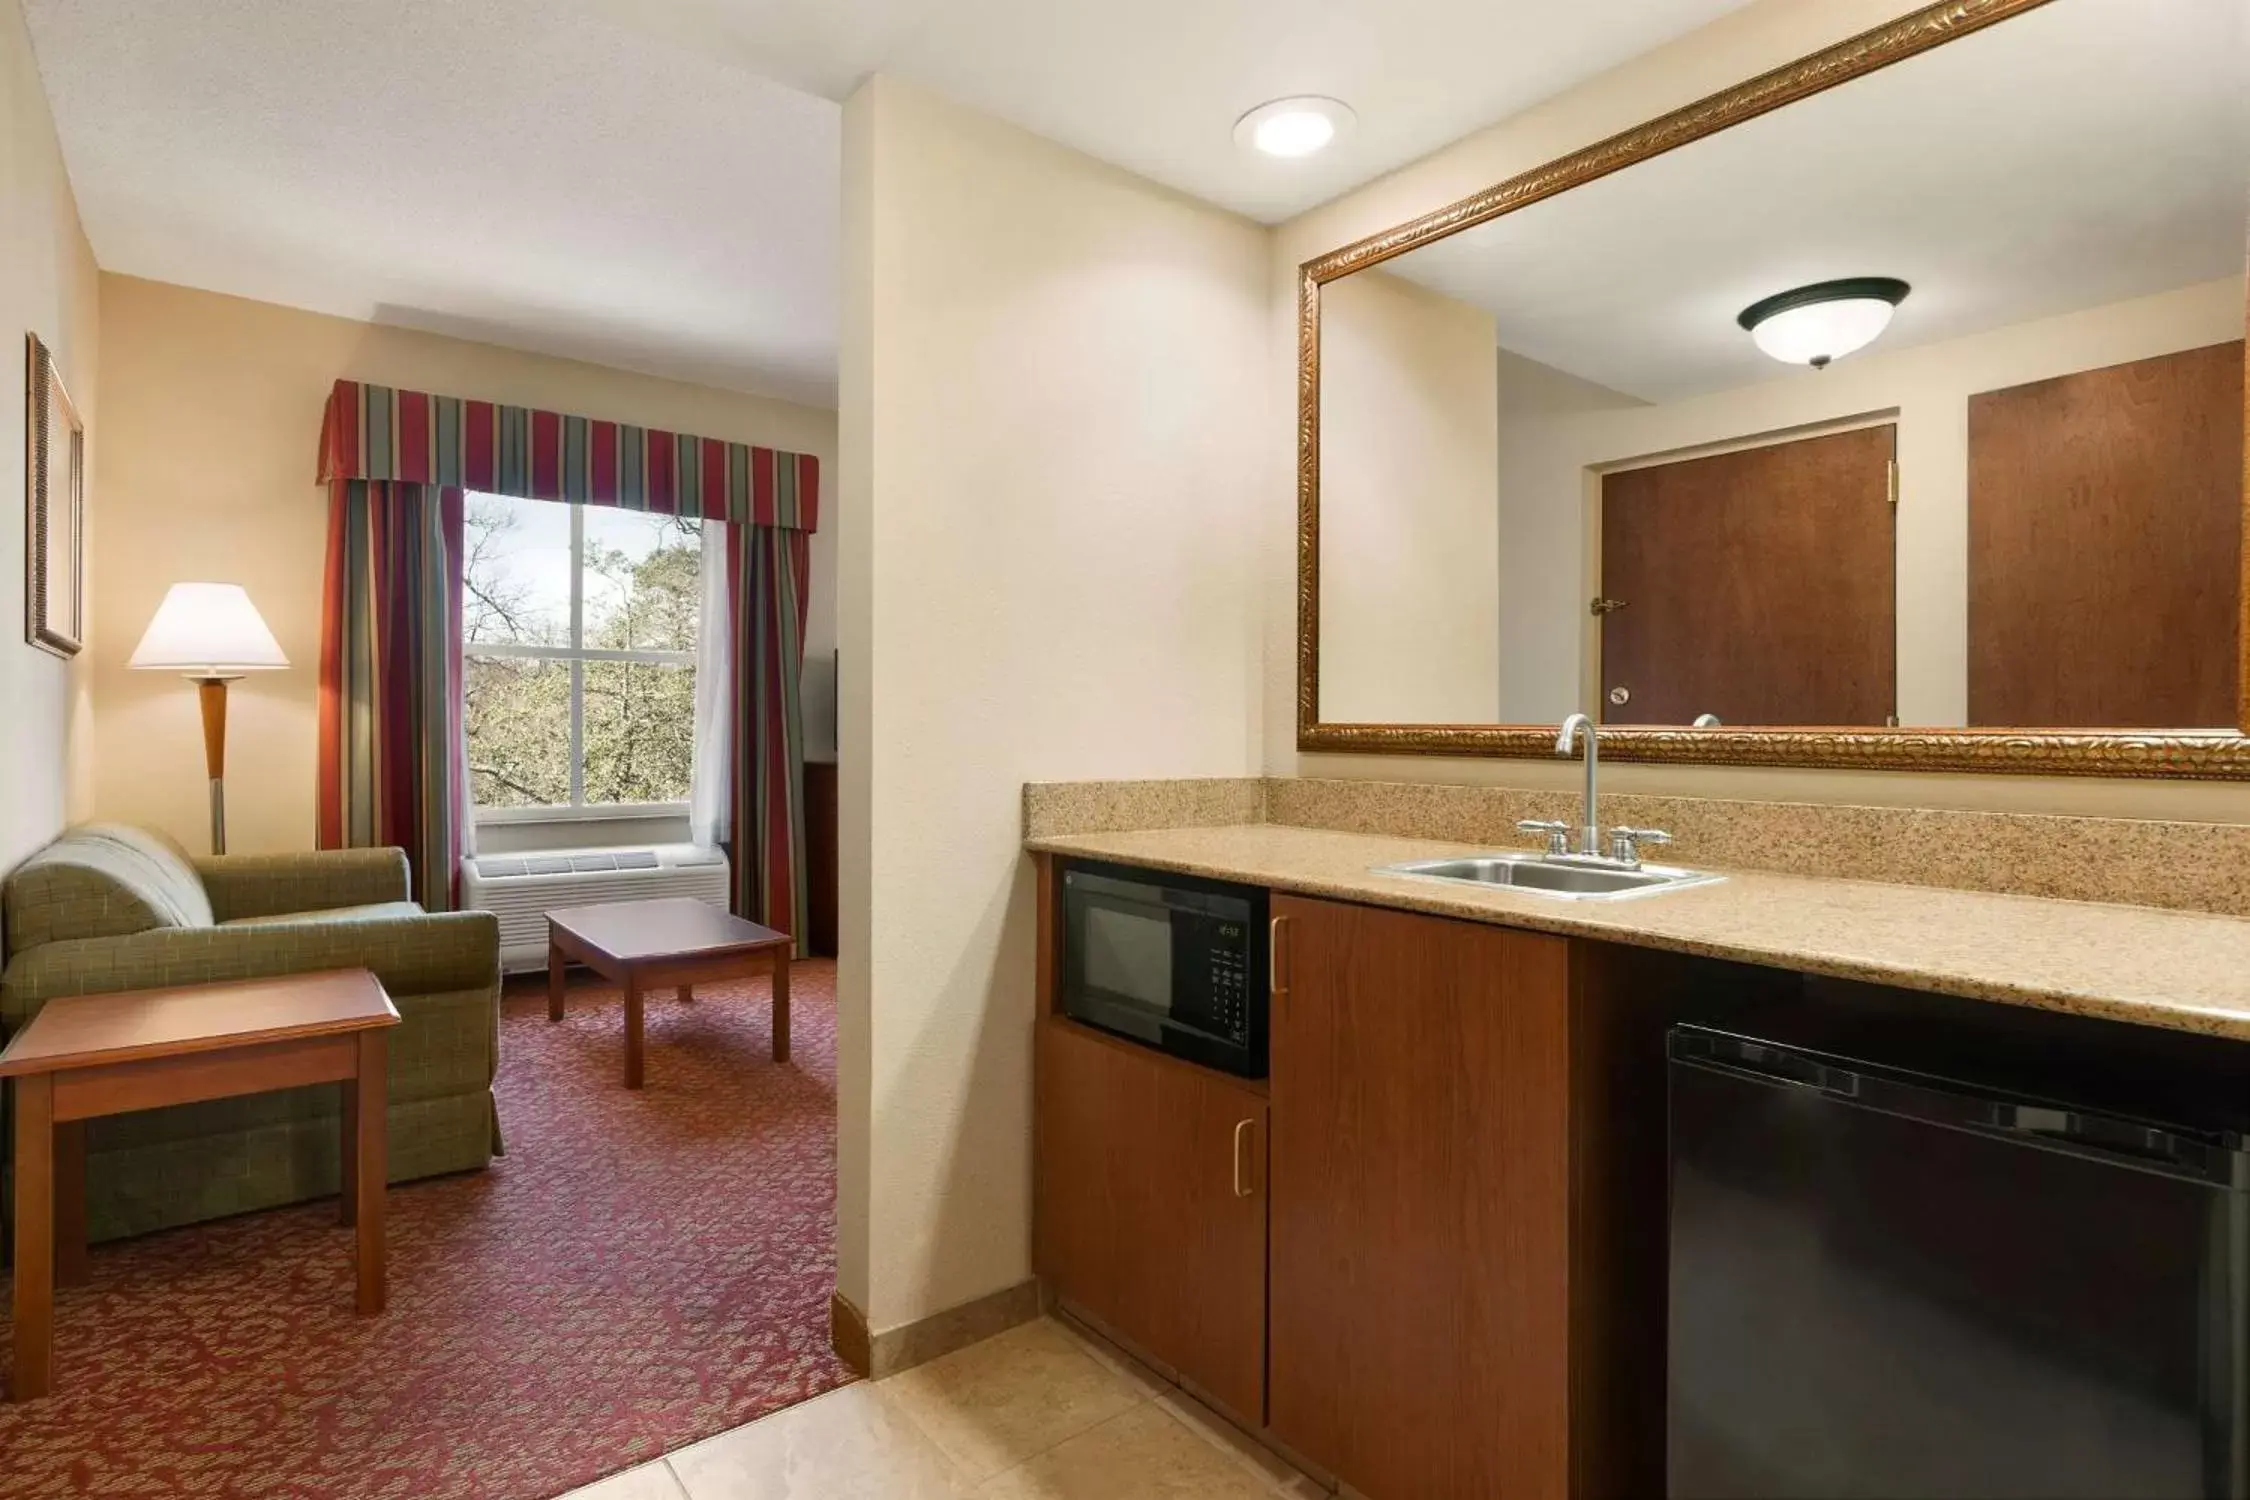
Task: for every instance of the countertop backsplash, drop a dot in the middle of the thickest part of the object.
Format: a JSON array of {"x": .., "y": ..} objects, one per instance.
[{"x": 2178, "y": 865}]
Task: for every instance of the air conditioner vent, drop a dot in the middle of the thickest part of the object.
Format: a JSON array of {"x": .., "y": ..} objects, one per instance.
[{"x": 522, "y": 889}]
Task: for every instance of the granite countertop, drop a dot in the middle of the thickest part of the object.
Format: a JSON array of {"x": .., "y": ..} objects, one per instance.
[{"x": 2180, "y": 970}]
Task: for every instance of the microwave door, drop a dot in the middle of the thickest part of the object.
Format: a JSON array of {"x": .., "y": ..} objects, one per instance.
[{"x": 1127, "y": 957}]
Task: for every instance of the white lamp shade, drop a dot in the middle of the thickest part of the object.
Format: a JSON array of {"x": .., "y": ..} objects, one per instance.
[
  {"x": 1821, "y": 331},
  {"x": 206, "y": 629}
]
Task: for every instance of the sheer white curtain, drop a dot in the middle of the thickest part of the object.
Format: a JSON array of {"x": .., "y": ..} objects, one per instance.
[{"x": 714, "y": 660}]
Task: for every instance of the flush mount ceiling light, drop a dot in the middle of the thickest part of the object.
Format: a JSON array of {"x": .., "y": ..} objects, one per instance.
[
  {"x": 1811, "y": 325},
  {"x": 1293, "y": 127}
]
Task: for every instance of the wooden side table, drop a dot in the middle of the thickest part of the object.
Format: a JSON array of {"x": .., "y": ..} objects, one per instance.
[
  {"x": 681, "y": 942},
  {"x": 86, "y": 1056}
]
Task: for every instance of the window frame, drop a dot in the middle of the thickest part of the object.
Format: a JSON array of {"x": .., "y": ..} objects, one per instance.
[{"x": 577, "y": 809}]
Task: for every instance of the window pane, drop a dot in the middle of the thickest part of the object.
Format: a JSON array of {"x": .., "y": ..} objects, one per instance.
[
  {"x": 640, "y": 731},
  {"x": 518, "y": 721},
  {"x": 642, "y": 580},
  {"x": 516, "y": 572}
]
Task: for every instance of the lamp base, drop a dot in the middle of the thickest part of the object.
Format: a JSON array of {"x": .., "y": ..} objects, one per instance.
[{"x": 212, "y": 694}]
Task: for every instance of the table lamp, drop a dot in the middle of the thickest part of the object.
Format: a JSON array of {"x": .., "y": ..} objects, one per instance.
[{"x": 212, "y": 633}]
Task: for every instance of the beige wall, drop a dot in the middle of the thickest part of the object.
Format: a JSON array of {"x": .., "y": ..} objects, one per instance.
[
  {"x": 208, "y": 447},
  {"x": 1547, "y": 461},
  {"x": 1762, "y": 35},
  {"x": 48, "y": 286},
  {"x": 1053, "y": 408},
  {"x": 1409, "y": 524}
]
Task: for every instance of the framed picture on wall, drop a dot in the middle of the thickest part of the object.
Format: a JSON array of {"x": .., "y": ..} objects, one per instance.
[{"x": 54, "y": 459}]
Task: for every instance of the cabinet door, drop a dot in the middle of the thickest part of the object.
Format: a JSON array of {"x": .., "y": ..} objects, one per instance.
[
  {"x": 1151, "y": 1210},
  {"x": 1421, "y": 1196}
]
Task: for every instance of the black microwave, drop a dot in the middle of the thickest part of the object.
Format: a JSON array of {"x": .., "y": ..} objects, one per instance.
[{"x": 1175, "y": 962}]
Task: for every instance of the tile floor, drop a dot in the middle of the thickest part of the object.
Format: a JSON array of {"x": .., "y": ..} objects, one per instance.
[{"x": 1039, "y": 1413}]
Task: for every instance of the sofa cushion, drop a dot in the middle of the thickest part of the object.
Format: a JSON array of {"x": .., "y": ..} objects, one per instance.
[
  {"x": 103, "y": 880},
  {"x": 380, "y": 911}
]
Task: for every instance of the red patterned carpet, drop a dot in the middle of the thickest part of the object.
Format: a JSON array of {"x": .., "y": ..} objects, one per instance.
[{"x": 639, "y": 1271}]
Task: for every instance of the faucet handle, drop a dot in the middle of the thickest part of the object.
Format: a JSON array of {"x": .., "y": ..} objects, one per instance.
[
  {"x": 1625, "y": 843},
  {"x": 1556, "y": 830}
]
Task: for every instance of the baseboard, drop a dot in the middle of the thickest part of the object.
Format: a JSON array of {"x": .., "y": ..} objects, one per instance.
[
  {"x": 847, "y": 1334},
  {"x": 875, "y": 1355}
]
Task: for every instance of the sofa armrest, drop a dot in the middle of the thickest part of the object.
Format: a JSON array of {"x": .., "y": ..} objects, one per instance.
[
  {"x": 427, "y": 954},
  {"x": 269, "y": 885}
]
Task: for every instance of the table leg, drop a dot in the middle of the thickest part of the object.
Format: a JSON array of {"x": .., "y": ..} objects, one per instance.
[
  {"x": 71, "y": 1268},
  {"x": 35, "y": 1238},
  {"x": 633, "y": 1036},
  {"x": 370, "y": 1169},
  {"x": 687, "y": 994},
  {"x": 347, "y": 1201},
  {"x": 781, "y": 1004},
  {"x": 554, "y": 980}
]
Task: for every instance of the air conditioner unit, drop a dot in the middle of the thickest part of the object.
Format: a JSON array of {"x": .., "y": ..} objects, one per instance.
[{"x": 522, "y": 888}]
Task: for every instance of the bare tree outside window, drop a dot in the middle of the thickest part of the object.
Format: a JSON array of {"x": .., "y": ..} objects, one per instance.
[{"x": 580, "y": 629}]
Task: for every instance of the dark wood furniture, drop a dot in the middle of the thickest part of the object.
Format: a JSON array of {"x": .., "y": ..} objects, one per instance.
[
  {"x": 821, "y": 878},
  {"x": 1421, "y": 1172},
  {"x": 92, "y": 1055},
  {"x": 2105, "y": 545},
  {"x": 1150, "y": 1192},
  {"x": 1758, "y": 585},
  {"x": 680, "y": 942},
  {"x": 1424, "y": 1255},
  {"x": 1162, "y": 1237}
]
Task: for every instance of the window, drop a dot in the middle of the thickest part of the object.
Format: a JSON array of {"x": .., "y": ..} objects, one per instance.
[{"x": 579, "y": 636}]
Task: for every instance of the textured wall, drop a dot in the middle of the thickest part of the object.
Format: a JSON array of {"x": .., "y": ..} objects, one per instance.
[
  {"x": 48, "y": 286},
  {"x": 1053, "y": 400}
]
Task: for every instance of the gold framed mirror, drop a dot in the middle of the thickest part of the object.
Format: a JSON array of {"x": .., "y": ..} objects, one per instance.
[{"x": 1884, "y": 411}]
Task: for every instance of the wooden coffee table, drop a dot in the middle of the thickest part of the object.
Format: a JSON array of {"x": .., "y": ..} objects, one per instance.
[
  {"x": 645, "y": 945},
  {"x": 85, "y": 1056}
]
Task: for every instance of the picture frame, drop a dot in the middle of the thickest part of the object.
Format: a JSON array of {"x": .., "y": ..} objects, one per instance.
[{"x": 54, "y": 507}]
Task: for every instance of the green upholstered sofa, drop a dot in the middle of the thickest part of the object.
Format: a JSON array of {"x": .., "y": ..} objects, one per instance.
[{"x": 107, "y": 908}]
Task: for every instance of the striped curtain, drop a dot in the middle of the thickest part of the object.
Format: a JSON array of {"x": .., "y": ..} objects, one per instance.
[
  {"x": 390, "y": 679},
  {"x": 393, "y": 441},
  {"x": 767, "y": 572}
]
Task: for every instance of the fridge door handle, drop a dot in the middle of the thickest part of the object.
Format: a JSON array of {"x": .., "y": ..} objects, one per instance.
[{"x": 2219, "y": 1159}]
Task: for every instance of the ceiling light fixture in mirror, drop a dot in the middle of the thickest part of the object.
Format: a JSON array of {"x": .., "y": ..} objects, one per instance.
[{"x": 1819, "y": 324}]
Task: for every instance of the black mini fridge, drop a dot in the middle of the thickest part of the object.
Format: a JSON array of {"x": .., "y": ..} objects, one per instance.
[{"x": 1899, "y": 1287}]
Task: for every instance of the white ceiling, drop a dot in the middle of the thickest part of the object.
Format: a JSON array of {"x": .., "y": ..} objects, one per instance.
[
  {"x": 507, "y": 170},
  {"x": 653, "y": 184},
  {"x": 2083, "y": 153}
]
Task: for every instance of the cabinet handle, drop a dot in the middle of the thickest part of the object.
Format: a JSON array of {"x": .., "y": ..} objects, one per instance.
[
  {"x": 1276, "y": 985},
  {"x": 1241, "y": 1126}
]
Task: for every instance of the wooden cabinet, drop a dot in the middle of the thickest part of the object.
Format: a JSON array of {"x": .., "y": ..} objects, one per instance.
[
  {"x": 820, "y": 858},
  {"x": 1421, "y": 1169},
  {"x": 1427, "y": 1255},
  {"x": 1151, "y": 1206}
]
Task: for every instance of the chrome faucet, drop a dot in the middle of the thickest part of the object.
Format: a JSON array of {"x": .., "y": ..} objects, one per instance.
[
  {"x": 1589, "y": 839},
  {"x": 1585, "y": 842}
]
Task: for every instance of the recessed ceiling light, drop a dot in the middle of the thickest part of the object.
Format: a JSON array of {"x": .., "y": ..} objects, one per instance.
[
  {"x": 1293, "y": 127},
  {"x": 1812, "y": 325}
]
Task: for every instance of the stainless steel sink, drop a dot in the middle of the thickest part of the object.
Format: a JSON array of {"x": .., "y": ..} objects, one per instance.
[{"x": 1563, "y": 879}]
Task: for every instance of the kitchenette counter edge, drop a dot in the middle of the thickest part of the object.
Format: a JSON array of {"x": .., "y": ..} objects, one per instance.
[{"x": 2182, "y": 971}]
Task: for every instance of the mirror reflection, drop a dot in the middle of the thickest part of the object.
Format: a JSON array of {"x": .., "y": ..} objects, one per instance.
[{"x": 1918, "y": 402}]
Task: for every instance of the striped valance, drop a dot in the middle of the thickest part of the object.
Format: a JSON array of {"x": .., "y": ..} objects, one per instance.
[{"x": 374, "y": 432}]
